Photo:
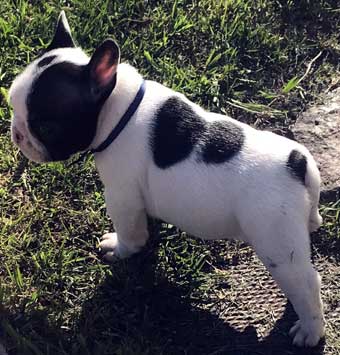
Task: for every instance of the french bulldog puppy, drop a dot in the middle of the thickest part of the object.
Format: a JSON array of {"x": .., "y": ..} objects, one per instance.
[{"x": 208, "y": 174}]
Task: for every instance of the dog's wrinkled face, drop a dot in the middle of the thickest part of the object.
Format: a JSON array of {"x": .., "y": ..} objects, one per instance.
[{"x": 58, "y": 97}]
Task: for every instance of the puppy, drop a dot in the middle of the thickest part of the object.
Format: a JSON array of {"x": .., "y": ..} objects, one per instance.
[{"x": 159, "y": 154}]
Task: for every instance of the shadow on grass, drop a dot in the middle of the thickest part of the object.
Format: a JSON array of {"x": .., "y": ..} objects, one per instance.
[
  {"x": 158, "y": 323},
  {"x": 149, "y": 314},
  {"x": 139, "y": 310}
]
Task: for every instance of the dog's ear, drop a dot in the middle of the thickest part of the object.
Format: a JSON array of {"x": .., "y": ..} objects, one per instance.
[
  {"x": 102, "y": 69},
  {"x": 62, "y": 36}
]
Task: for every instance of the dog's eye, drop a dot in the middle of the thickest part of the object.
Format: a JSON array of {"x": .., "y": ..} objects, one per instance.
[
  {"x": 49, "y": 130},
  {"x": 45, "y": 130}
]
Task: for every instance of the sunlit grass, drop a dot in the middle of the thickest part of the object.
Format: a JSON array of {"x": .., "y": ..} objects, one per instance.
[{"x": 243, "y": 58}]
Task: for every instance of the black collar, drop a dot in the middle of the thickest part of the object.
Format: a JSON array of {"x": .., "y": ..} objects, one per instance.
[
  {"x": 123, "y": 121},
  {"x": 120, "y": 125}
]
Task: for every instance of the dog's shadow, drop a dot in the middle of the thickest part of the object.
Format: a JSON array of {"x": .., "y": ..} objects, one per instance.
[
  {"x": 137, "y": 310},
  {"x": 149, "y": 314}
]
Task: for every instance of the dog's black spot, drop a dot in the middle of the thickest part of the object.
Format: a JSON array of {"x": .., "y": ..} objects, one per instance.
[
  {"x": 222, "y": 140},
  {"x": 61, "y": 112},
  {"x": 297, "y": 165},
  {"x": 178, "y": 130},
  {"x": 45, "y": 61}
]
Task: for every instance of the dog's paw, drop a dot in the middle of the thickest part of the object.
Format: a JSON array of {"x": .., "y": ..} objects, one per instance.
[
  {"x": 112, "y": 249},
  {"x": 109, "y": 246},
  {"x": 307, "y": 334}
]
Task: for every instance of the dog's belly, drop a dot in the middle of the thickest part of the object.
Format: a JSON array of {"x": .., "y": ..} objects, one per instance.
[{"x": 198, "y": 205}]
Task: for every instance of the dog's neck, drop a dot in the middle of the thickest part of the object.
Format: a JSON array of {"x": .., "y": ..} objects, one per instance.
[{"x": 128, "y": 84}]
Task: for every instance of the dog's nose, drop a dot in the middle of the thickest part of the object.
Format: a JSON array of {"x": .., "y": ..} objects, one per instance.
[{"x": 18, "y": 137}]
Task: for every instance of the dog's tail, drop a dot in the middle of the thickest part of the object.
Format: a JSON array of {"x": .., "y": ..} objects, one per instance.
[{"x": 313, "y": 181}]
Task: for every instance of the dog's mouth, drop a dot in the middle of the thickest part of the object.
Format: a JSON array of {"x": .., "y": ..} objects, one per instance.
[
  {"x": 31, "y": 150},
  {"x": 58, "y": 157},
  {"x": 34, "y": 154}
]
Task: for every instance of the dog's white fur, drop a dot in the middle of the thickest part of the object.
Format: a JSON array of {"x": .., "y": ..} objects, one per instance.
[{"x": 253, "y": 197}]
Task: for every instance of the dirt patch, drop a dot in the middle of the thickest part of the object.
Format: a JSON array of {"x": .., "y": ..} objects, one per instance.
[{"x": 318, "y": 129}]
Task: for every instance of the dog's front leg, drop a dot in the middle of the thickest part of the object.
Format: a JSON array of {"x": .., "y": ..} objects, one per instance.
[{"x": 129, "y": 217}]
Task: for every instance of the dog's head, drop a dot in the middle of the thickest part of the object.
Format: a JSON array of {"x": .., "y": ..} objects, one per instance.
[{"x": 58, "y": 97}]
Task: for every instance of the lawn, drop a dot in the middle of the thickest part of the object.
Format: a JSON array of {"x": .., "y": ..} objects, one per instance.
[{"x": 245, "y": 58}]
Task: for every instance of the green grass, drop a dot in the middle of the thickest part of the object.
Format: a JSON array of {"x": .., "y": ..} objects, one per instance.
[{"x": 245, "y": 58}]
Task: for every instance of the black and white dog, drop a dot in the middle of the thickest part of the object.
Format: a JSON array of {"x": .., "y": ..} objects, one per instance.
[{"x": 159, "y": 154}]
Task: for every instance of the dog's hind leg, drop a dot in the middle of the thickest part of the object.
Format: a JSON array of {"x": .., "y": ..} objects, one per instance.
[
  {"x": 301, "y": 284},
  {"x": 286, "y": 254}
]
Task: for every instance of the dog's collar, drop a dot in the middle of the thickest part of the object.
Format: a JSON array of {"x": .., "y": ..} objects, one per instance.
[
  {"x": 119, "y": 126},
  {"x": 123, "y": 121}
]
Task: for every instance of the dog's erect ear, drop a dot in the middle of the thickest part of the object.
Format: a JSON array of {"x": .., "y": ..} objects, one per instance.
[
  {"x": 62, "y": 36},
  {"x": 102, "y": 69}
]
